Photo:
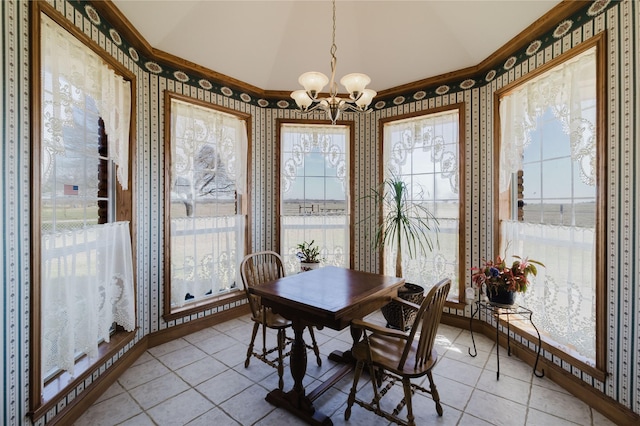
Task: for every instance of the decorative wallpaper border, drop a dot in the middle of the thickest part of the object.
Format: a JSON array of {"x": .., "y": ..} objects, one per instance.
[{"x": 169, "y": 71}]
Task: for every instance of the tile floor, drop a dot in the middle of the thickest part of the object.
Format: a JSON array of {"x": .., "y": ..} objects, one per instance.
[{"x": 201, "y": 380}]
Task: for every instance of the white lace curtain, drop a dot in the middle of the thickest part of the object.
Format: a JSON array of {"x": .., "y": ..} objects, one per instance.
[
  {"x": 297, "y": 141},
  {"x": 436, "y": 134},
  {"x": 205, "y": 256},
  {"x": 419, "y": 147},
  {"x": 206, "y": 146},
  {"x": 570, "y": 91},
  {"x": 328, "y": 227},
  {"x": 87, "y": 285},
  {"x": 193, "y": 127},
  {"x": 562, "y": 295},
  {"x": 71, "y": 73}
]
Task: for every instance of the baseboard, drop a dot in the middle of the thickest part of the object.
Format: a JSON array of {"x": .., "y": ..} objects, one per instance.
[
  {"x": 168, "y": 334},
  {"x": 602, "y": 403},
  {"x": 78, "y": 406}
]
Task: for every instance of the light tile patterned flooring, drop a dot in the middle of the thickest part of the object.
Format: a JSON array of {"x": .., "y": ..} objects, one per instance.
[{"x": 201, "y": 380}]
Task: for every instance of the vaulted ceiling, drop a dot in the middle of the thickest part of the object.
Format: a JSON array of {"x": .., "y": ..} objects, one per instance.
[{"x": 268, "y": 44}]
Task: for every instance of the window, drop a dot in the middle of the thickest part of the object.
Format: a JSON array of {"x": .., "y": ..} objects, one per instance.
[
  {"x": 206, "y": 155},
  {"x": 425, "y": 152},
  {"x": 314, "y": 191},
  {"x": 84, "y": 279},
  {"x": 550, "y": 191}
]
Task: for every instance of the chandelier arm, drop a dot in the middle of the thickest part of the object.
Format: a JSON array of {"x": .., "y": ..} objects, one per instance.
[
  {"x": 349, "y": 106},
  {"x": 313, "y": 108}
]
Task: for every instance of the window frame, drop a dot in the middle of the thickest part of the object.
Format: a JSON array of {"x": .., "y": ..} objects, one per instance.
[
  {"x": 462, "y": 244},
  {"x": 599, "y": 41},
  {"x": 43, "y": 398},
  {"x": 238, "y": 294},
  {"x": 351, "y": 130}
]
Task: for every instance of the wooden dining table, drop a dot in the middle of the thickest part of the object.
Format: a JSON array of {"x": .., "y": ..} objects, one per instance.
[{"x": 326, "y": 297}]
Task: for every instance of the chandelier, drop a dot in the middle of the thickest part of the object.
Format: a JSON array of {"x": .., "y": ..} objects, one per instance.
[{"x": 313, "y": 83}]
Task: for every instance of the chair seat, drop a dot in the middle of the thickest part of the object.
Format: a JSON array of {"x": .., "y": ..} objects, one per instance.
[
  {"x": 386, "y": 352},
  {"x": 274, "y": 321}
]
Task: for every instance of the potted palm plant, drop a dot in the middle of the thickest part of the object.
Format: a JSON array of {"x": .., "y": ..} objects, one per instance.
[{"x": 404, "y": 224}]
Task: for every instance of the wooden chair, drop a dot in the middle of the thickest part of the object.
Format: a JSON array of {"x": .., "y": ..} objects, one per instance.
[
  {"x": 392, "y": 356},
  {"x": 256, "y": 269}
]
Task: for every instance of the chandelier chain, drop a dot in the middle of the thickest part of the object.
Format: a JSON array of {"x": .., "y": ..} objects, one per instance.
[{"x": 333, "y": 45}]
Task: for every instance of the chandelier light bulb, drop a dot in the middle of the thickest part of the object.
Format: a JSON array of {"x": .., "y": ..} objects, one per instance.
[
  {"x": 313, "y": 82},
  {"x": 302, "y": 99},
  {"x": 355, "y": 84},
  {"x": 365, "y": 99}
]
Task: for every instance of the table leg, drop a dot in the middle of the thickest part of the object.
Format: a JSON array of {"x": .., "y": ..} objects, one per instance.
[
  {"x": 296, "y": 400},
  {"x": 345, "y": 357}
]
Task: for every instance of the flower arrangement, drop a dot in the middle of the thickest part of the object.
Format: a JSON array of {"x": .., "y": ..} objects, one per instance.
[
  {"x": 497, "y": 276},
  {"x": 309, "y": 252}
]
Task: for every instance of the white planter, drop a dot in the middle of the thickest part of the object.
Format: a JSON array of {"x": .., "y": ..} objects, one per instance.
[{"x": 309, "y": 266}]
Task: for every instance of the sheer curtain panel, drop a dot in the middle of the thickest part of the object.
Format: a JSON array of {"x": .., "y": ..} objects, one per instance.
[
  {"x": 569, "y": 90},
  {"x": 208, "y": 180},
  {"x": 73, "y": 73},
  {"x": 205, "y": 256},
  {"x": 425, "y": 153},
  {"x": 315, "y": 192},
  {"x": 563, "y": 293},
  {"x": 87, "y": 286}
]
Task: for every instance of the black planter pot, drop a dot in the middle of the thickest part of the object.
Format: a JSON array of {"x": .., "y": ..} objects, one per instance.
[
  {"x": 399, "y": 317},
  {"x": 501, "y": 296}
]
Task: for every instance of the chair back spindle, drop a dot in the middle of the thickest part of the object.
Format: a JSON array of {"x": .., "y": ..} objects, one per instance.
[
  {"x": 427, "y": 321},
  {"x": 257, "y": 269}
]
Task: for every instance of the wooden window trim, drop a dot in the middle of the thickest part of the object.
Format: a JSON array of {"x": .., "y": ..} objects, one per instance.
[
  {"x": 215, "y": 301},
  {"x": 600, "y": 42},
  {"x": 302, "y": 122},
  {"x": 124, "y": 199}
]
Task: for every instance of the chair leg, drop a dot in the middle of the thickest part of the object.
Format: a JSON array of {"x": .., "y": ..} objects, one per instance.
[
  {"x": 253, "y": 338},
  {"x": 264, "y": 340},
  {"x": 434, "y": 393},
  {"x": 376, "y": 380},
  {"x": 352, "y": 394},
  {"x": 281, "y": 339},
  {"x": 406, "y": 385},
  {"x": 315, "y": 346}
]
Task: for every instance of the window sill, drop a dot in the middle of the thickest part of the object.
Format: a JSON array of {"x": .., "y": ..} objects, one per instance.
[
  {"x": 64, "y": 383},
  {"x": 203, "y": 305},
  {"x": 524, "y": 328}
]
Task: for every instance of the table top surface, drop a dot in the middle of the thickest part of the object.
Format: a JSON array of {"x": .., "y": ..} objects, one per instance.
[{"x": 329, "y": 289}]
